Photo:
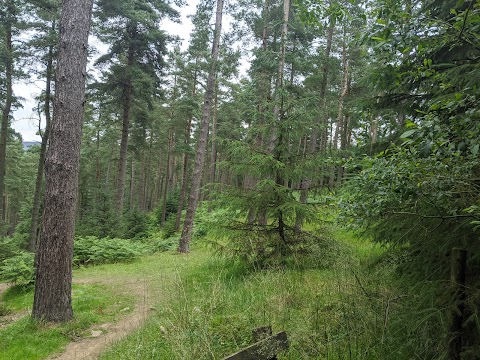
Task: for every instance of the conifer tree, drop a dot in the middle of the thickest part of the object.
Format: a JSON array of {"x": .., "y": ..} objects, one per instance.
[
  {"x": 8, "y": 12},
  {"x": 45, "y": 24},
  {"x": 135, "y": 55},
  {"x": 202, "y": 140},
  {"x": 54, "y": 256}
]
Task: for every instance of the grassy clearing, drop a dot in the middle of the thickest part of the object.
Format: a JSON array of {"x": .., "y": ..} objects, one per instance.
[
  {"x": 26, "y": 339},
  {"x": 207, "y": 307}
]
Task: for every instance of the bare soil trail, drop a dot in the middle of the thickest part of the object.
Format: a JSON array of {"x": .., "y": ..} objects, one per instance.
[
  {"x": 3, "y": 288},
  {"x": 102, "y": 336},
  {"x": 148, "y": 281}
]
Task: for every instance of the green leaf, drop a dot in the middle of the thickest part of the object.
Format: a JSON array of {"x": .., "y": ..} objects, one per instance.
[
  {"x": 475, "y": 149},
  {"x": 410, "y": 124},
  {"x": 408, "y": 133}
]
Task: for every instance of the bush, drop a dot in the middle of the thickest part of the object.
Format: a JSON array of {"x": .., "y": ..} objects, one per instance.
[
  {"x": 135, "y": 225},
  {"x": 169, "y": 227},
  {"x": 168, "y": 244},
  {"x": 92, "y": 250},
  {"x": 8, "y": 247},
  {"x": 171, "y": 207},
  {"x": 19, "y": 269}
]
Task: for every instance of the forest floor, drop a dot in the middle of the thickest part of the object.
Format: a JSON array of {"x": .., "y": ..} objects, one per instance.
[
  {"x": 149, "y": 281},
  {"x": 122, "y": 280},
  {"x": 202, "y": 306},
  {"x": 101, "y": 336},
  {"x": 9, "y": 317}
]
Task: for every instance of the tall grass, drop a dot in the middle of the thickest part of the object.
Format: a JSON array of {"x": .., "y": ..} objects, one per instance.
[
  {"x": 351, "y": 306},
  {"x": 208, "y": 307}
]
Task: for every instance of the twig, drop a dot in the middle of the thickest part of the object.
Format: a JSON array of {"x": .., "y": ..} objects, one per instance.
[{"x": 434, "y": 216}]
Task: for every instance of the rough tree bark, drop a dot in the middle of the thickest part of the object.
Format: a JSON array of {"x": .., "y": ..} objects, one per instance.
[
  {"x": 8, "y": 20},
  {"x": 184, "y": 245},
  {"x": 53, "y": 261}
]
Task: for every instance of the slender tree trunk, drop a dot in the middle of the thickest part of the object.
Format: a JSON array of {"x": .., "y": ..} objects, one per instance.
[
  {"x": 280, "y": 74},
  {"x": 97, "y": 161},
  {"x": 305, "y": 183},
  {"x": 146, "y": 176},
  {"x": 167, "y": 177},
  {"x": 131, "y": 194},
  {"x": 277, "y": 110},
  {"x": 127, "y": 97},
  {"x": 278, "y": 113},
  {"x": 158, "y": 181},
  {"x": 334, "y": 171},
  {"x": 8, "y": 24},
  {"x": 53, "y": 260},
  {"x": 342, "y": 120},
  {"x": 265, "y": 84},
  {"x": 213, "y": 151},
  {"x": 43, "y": 150},
  {"x": 184, "y": 245},
  {"x": 183, "y": 189},
  {"x": 341, "y": 99}
]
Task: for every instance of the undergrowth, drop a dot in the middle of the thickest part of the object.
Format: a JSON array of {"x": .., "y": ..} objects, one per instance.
[
  {"x": 340, "y": 311},
  {"x": 354, "y": 306}
]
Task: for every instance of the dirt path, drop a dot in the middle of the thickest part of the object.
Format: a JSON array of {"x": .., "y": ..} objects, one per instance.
[
  {"x": 3, "y": 288},
  {"x": 102, "y": 336},
  {"x": 7, "y": 319}
]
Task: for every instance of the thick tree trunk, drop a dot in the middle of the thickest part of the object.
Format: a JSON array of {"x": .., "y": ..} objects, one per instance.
[
  {"x": 8, "y": 24},
  {"x": 53, "y": 283},
  {"x": 43, "y": 151},
  {"x": 127, "y": 97},
  {"x": 184, "y": 245}
]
